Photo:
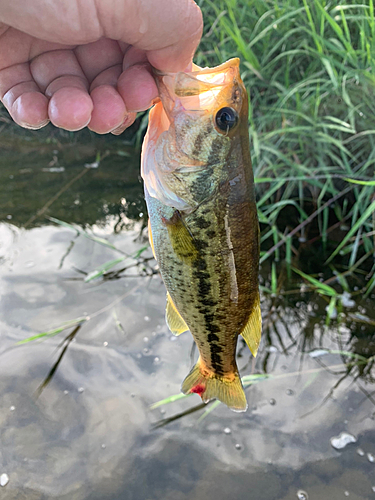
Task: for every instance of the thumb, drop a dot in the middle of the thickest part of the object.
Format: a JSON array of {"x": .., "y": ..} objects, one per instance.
[{"x": 169, "y": 31}]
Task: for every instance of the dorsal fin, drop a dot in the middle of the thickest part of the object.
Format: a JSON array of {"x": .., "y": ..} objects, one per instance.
[
  {"x": 253, "y": 328},
  {"x": 174, "y": 320}
]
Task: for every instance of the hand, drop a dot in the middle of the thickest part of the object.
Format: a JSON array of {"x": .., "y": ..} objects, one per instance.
[{"x": 82, "y": 63}]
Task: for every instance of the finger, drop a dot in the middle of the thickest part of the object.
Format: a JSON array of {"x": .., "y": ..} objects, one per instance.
[
  {"x": 129, "y": 120},
  {"x": 19, "y": 48},
  {"x": 137, "y": 87},
  {"x": 22, "y": 97},
  {"x": 29, "y": 109},
  {"x": 133, "y": 56},
  {"x": 70, "y": 108},
  {"x": 170, "y": 31},
  {"x": 101, "y": 62},
  {"x": 54, "y": 64},
  {"x": 108, "y": 77},
  {"x": 95, "y": 58},
  {"x": 60, "y": 76},
  {"x": 136, "y": 84},
  {"x": 109, "y": 111},
  {"x": 21, "y": 94},
  {"x": 54, "y": 21}
]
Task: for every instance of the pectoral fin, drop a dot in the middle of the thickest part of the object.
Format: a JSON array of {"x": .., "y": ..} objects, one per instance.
[
  {"x": 174, "y": 321},
  {"x": 253, "y": 329},
  {"x": 182, "y": 240}
]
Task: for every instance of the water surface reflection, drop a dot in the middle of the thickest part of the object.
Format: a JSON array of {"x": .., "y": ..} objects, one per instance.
[{"x": 91, "y": 434}]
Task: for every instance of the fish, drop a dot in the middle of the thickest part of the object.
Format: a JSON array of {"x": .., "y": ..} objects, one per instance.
[{"x": 203, "y": 223}]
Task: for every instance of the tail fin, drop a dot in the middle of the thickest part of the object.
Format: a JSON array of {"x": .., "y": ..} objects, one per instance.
[{"x": 210, "y": 386}]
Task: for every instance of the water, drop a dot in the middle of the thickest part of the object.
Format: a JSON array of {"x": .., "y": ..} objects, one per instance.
[{"x": 90, "y": 433}]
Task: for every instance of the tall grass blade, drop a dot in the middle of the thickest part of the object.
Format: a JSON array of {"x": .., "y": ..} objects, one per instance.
[
  {"x": 103, "y": 269},
  {"x": 55, "y": 331},
  {"x": 320, "y": 287},
  {"x": 366, "y": 215}
]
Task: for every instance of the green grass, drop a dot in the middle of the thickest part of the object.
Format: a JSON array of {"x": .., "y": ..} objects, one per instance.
[{"x": 309, "y": 68}]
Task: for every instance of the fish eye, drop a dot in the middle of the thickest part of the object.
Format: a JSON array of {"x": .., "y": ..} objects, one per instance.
[{"x": 226, "y": 118}]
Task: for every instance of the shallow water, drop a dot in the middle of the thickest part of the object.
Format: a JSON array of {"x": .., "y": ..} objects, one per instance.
[{"x": 90, "y": 433}]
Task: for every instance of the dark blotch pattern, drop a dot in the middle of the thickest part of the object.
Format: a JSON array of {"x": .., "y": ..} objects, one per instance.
[
  {"x": 200, "y": 244},
  {"x": 214, "y": 156},
  {"x": 202, "y": 223},
  {"x": 204, "y": 290}
]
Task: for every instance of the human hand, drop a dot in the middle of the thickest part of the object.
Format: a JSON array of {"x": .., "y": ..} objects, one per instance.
[{"x": 82, "y": 63}]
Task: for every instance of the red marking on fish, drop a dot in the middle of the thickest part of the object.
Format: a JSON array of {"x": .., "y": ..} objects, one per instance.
[
  {"x": 198, "y": 389},
  {"x": 172, "y": 220}
]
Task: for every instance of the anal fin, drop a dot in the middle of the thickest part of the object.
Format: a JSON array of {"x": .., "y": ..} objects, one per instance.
[
  {"x": 253, "y": 328},
  {"x": 173, "y": 318}
]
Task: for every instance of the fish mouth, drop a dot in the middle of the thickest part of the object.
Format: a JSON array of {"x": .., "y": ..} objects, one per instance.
[
  {"x": 197, "y": 90},
  {"x": 197, "y": 70}
]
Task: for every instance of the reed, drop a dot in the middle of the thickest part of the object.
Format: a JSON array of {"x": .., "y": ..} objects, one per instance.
[{"x": 309, "y": 68}]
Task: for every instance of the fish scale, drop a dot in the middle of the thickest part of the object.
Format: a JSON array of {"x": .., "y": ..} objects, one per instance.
[{"x": 208, "y": 252}]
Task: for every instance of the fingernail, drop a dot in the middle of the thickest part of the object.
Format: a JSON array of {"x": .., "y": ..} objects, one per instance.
[
  {"x": 33, "y": 126},
  {"x": 128, "y": 120}
]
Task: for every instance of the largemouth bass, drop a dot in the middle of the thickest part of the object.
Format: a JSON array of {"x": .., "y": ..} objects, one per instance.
[{"x": 203, "y": 223}]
